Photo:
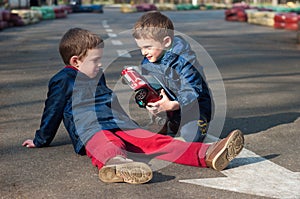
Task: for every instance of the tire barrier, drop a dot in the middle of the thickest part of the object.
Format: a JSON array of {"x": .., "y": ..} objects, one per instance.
[
  {"x": 5, "y": 15},
  {"x": 21, "y": 17},
  {"x": 87, "y": 8},
  {"x": 287, "y": 21},
  {"x": 265, "y": 18},
  {"x": 237, "y": 12},
  {"x": 187, "y": 7},
  {"x": 128, "y": 8},
  {"x": 60, "y": 12},
  {"x": 166, "y": 6},
  {"x": 144, "y": 7},
  {"x": 4, "y": 18},
  {"x": 285, "y": 9},
  {"x": 8, "y": 19},
  {"x": 47, "y": 12},
  {"x": 16, "y": 20},
  {"x": 67, "y": 8},
  {"x": 28, "y": 16}
]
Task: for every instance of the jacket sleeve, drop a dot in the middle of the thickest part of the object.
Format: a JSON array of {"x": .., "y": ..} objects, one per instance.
[
  {"x": 53, "y": 112},
  {"x": 191, "y": 84},
  {"x": 194, "y": 90}
]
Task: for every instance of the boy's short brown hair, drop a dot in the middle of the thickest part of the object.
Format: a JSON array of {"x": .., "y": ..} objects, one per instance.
[
  {"x": 77, "y": 41},
  {"x": 153, "y": 25}
]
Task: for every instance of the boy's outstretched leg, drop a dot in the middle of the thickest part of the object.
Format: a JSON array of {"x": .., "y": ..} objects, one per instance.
[
  {"x": 220, "y": 153},
  {"x": 121, "y": 169},
  {"x": 216, "y": 156}
]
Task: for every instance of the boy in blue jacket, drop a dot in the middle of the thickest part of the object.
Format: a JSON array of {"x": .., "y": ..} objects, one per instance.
[
  {"x": 101, "y": 129},
  {"x": 171, "y": 60}
]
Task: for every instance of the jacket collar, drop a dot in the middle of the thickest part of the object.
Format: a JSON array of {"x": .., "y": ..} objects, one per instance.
[{"x": 72, "y": 67}]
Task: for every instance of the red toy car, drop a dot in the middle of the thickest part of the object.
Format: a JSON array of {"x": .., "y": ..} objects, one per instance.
[
  {"x": 144, "y": 91},
  {"x": 147, "y": 89}
]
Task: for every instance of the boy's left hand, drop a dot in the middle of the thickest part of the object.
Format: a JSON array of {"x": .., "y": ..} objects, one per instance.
[
  {"x": 28, "y": 144},
  {"x": 162, "y": 105}
]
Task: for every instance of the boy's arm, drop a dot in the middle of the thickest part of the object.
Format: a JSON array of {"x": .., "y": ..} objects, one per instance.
[
  {"x": 52, "y": 115},
  {"x": 194, "y": 90},
  {"x": 192, "y": 85}
]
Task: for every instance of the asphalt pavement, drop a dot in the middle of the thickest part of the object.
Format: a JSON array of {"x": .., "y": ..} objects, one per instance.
[{"x": 255, "y": 74}]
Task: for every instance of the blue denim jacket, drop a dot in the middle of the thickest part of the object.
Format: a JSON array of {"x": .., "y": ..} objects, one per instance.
[
  {"x": 179, "y": 70},
  {"x": 86, "y": 106}
]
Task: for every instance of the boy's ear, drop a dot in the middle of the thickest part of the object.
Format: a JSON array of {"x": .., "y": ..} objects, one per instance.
[
  {"x": 74, "y": 61},
  {"x": 167, "y": 41}
]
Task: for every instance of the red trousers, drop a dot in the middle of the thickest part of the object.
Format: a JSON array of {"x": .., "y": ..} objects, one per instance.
[{"x": 106, "y": 144}]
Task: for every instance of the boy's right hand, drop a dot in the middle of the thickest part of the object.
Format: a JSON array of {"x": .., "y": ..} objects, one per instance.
[
  {"x": 162, "y": 105},
  {"x": 28, "y": 144}
]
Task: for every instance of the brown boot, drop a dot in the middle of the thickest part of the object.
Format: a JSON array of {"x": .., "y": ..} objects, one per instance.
[
  {"x": 120, "y": 169},
  {"x": 219, "y": 154}
]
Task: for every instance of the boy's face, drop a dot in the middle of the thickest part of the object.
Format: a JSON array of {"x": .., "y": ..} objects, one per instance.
[
  {"x": 90, "y": 65},
  {"x": 152, "y": 49}
]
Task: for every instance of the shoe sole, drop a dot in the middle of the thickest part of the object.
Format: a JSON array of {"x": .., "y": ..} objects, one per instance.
[
  {"x": 229, "y": 151},
  {"x": 132, "y": 173}
]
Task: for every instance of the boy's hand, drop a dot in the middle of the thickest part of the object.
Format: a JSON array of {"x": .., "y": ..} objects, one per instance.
[
  {"x": 164, "y": 104},
  {"x": 28, "y": 144}
]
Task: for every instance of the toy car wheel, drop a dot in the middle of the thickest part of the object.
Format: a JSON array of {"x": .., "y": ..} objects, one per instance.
[{"x": 141, "y": 94}]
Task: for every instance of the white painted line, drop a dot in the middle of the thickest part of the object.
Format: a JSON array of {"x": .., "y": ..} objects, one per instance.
[
  {"x": 123, "y": 53},
  {"x": 104, "y": 24},
  {"x": 108, "y": 30},
  {"x": 116, "y": 42},
  {"x": 112, "y": 34},
  {"x": 251, "y": 174}
]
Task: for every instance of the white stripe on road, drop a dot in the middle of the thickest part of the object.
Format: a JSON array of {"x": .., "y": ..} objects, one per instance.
[
  {"x": 104, "y": 24},
  {"x": 116, "y": 42},
  {"x": 123, "y": 53},
  {"x": 252, "y": 174},
  {"x": 112, "y": 35}
]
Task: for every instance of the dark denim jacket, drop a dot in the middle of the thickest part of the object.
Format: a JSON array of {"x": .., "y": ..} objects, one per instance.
[
  {"x": 86, "y": 106},
  {"x": 181, "y": 73}
]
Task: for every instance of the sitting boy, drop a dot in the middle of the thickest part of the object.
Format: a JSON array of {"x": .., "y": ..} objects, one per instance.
[
  {"x": 100, "y": 128},
  {"x": 171, "y": 60}
]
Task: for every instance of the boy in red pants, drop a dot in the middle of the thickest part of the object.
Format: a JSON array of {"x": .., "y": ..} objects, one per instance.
[{"x": 100, "y": 128}]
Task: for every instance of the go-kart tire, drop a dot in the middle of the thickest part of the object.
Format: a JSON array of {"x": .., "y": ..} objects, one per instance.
[
  {"x": 291, "y": 18},
  {"x": 5, "y": 15},
  {"x": 232, "y": 18},
  {"x": 291, "y": 26},
  {"x": 279, "y": 25},
  {"x": 279, "y": 18},
  {"x": 3, "y": 25}
]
